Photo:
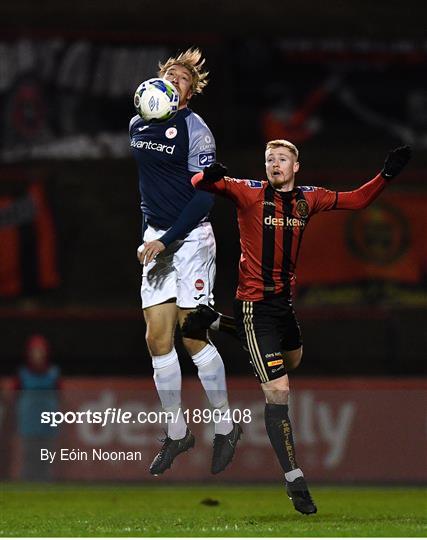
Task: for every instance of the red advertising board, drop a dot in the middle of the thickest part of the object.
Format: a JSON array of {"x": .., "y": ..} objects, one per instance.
[{"x": 346, "y": 430}]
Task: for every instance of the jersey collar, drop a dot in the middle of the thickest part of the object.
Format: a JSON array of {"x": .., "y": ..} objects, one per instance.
[{"x": 283, "y": 194}]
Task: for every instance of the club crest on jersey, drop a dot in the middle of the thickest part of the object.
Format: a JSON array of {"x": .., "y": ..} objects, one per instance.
[
  {"x": 171, "y": 133},
  {"x": 199, "y": 284},
  {"x": 206, "y": 159},
  {"x": 302, "y": 209}
]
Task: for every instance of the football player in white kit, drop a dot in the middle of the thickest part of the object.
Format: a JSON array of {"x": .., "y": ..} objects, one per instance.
[{"x": 178, "y": 258}]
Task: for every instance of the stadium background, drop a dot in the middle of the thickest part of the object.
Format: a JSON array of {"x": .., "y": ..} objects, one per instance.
[{"x": 345, "y": 85}]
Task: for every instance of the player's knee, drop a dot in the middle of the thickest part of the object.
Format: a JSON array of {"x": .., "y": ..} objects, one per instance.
[
  {"x": 277, "y": 391},
  {"x": 158, "y": 344},
  {"x": 194, "y": 346},
  {"x": 293, "y": 359}
]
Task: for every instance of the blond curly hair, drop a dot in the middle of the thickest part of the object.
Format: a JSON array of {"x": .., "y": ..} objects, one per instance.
[{"x": 192, "y": 60}]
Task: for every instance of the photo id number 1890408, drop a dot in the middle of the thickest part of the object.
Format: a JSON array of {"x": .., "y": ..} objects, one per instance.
[{"x": 206, "y": 416}]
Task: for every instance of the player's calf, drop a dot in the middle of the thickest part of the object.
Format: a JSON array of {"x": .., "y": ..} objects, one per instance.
[{"x": 279, "y": 430}]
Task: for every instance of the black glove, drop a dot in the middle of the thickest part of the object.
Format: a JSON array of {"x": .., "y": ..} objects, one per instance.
[
  {"x": 396, "y": 161},
  {"x": 214, "y": 172}
]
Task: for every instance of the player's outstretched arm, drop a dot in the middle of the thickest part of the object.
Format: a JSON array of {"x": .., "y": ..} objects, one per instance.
[{"x": 362, "y": 197}]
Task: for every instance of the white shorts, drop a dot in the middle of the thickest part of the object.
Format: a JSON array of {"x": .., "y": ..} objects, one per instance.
[{"x": 185, "y": 270}]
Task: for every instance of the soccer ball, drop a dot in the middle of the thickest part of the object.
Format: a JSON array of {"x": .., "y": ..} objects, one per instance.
[{"x": 156, "y": 100}]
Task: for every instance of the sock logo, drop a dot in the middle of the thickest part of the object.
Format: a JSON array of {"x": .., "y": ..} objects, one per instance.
[{"x": 287, "y": 432}]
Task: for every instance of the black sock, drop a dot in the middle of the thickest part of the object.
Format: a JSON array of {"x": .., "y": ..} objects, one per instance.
[
  {"x": 227, "y": 324},
  {"x": 279, "y": 430}
]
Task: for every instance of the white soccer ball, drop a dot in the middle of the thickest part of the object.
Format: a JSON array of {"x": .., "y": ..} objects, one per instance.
[{"x": 156, "y": 100}]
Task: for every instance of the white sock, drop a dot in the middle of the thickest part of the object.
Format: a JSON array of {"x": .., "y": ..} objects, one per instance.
[
  {"x": 211, "y": 373},
  {"x": 293, "y": 475},
  {"x": 167, "y": 378}
]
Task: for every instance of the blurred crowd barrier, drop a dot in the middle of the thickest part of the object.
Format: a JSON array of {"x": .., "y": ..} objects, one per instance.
[{"x": 346, "y": 430}]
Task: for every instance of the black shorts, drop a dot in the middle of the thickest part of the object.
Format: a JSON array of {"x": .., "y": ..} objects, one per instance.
[{"x": 267, "y": 329}]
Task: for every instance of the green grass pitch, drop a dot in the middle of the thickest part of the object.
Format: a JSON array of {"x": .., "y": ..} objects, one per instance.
[{"x": 257, "y": 511}]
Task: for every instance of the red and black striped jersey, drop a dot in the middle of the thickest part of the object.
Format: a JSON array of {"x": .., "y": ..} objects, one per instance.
[{"x": 272, "y": 225}]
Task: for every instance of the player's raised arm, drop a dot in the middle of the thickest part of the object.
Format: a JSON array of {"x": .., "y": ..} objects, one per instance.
[{"x": 362, "y": 197}]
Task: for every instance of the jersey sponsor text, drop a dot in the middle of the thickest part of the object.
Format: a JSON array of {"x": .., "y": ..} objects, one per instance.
[
  {"x": 150, "y": 145},
  {"x": 284, "y": 222}
]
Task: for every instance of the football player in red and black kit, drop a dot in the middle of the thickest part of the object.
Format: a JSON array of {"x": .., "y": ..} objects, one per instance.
[{"x": 272, "y": 216}]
